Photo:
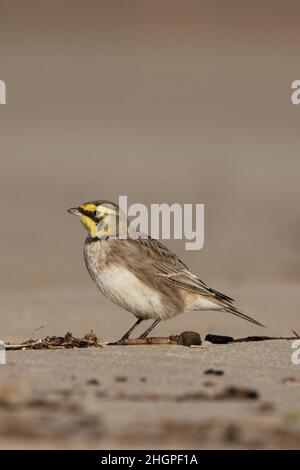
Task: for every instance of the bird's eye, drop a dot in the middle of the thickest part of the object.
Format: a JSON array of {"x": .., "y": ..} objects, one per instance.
[
  {"x": 94, "y": 216},
  {"x": 99, "y": 215}
]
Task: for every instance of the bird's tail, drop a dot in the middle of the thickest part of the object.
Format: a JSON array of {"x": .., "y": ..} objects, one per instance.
[{"x": 238, "y": 313}]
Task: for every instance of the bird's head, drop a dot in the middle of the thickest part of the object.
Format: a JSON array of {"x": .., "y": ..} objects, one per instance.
[{"x": 103, "y": 219}]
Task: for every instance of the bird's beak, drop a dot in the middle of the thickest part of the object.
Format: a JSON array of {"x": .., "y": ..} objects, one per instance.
[{"x": 74, "y": 211}]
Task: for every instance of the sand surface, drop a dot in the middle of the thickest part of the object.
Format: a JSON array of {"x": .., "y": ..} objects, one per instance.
[
  {"x": 147, "y": 396},
  {"x": 155, "y": 396}
]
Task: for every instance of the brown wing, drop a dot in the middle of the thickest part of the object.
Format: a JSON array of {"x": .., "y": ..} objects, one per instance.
[{"x": 168, "y": 266}]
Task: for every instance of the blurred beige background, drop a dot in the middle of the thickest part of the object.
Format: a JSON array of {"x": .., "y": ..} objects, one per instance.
[{"x": 164, "y": 101}]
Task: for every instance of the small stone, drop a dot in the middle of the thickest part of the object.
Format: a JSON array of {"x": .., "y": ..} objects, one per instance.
[
  {"x": 92, "y": 382},
  {"x": 218, "y": 339},
  {"x": 214, "y": 372},
  {"x": 188, "y": 338},
  {"x": 121, "y": 379},
  {"x": 241, "y": 393}
]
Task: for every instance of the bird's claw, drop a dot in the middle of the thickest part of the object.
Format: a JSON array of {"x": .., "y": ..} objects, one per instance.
[{"x": 121, "y": 342}]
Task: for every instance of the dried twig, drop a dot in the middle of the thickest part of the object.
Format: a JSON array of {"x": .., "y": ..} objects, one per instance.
[
  {"x": 58, "y": 342},
  {"x": 186, "y": 338},
  {"x": 265, "y": 338},
  {"x": 152, "y": 340}
]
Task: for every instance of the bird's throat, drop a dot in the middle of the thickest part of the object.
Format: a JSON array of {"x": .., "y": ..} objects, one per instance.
[{"x": 90, "y": 225}]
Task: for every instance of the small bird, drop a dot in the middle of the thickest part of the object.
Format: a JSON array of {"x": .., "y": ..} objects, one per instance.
[{"x": 141, "y": 274}]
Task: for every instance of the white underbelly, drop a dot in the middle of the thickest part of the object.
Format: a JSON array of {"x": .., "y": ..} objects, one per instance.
[
  {"x": 199, "y": 302},
  {"x": 125, "y": 289}
]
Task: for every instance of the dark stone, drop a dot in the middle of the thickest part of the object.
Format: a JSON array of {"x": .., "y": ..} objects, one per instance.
[
  {"x": 235, "y": 392},
  {"x": 187, "y": 338},
  {"x": 92, "y": 382},
  {"x": 214, "y": 372},
  {"x": 217, "y": 339}
]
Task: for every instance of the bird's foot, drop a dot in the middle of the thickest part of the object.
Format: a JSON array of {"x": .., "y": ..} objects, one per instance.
[
  {"x": 121, "y": 342},
  {"x": 143, "y": 336}
]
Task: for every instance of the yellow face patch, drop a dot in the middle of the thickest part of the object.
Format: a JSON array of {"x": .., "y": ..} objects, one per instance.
[
  {"x": 89, "y": 207},
  {"x": 89, "y": 224}
]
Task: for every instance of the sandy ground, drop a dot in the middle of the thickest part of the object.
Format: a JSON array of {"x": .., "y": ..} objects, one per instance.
[
  {"x": 147, "y": 396},
  {"x": 155, "y": 396}
]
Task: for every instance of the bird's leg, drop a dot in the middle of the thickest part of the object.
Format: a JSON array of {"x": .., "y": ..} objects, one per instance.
[
  {"x": 126, "y": 336},
  {"x": 153, "y": 325}
]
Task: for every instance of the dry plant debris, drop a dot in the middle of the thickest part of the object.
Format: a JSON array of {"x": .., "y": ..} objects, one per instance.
[
  {"x": 186, "y": 338},
  {"x": 58, "y": 342},
  {"x": 217, "y": 339}
]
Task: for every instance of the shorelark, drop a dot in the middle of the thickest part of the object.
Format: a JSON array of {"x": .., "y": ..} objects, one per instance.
[{"x": 141, "y": 274}]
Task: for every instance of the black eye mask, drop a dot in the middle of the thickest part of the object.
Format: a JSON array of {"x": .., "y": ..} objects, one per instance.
[{"x": 90, "y": 214}]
